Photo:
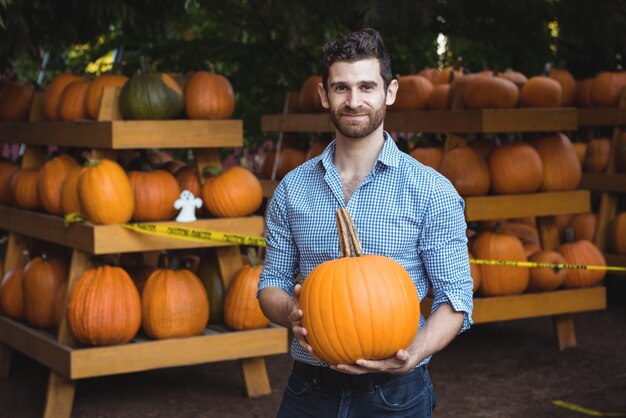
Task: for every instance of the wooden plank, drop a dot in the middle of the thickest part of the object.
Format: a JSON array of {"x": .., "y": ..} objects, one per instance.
[
  {"x": 37, "y": 344},
  {"x": 531, "y": 305},
  {"x": 6, "y": 354},
  {"x": 255, "y": 376},
  {"x": 565, "y": 331},
  {"x": 602, "y": 182},
  {"x": 466, "y": 121},
  {"x": 602, "y": 117},
  {"x": 518, "y": 206},
  {"x": 126, "y": 134},
  {"x": 110, "y": 239},
  {"x": 125, "y": 358},
  {"x": 60, "y": 397}
]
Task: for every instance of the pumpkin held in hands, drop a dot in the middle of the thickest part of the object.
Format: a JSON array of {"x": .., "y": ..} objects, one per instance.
[{"x": 374, "y": 310}]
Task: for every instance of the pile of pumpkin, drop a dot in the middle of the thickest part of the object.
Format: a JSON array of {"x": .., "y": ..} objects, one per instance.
[
  {"x": 450, "y": 88},
  {"x": 61, "y": 186},
  {"x": 199, "y": 95},
  {"x": 107, "y": 305}
]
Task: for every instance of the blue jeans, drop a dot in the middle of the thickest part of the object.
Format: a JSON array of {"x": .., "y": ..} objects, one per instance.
[{"x": 408, "y": 395}]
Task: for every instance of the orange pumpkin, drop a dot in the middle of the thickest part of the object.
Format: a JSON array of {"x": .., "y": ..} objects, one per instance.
[
  {"x": 541, "y": 91},
  {"x": 70, "y": 203},
  {"x": 490, "y": 93},
  {"x": 466, "y": 170},
  {"x": 93, "y": 96},
  {"x": 430, "y": 156},
  {"x": 413, "y": 93},
  {"x": 581, "y": 150},
  {"x": 51, "y": 177},
  {"x": 515, "y": 168},
  {"x": 583, "y": 252},
  {"x": 606, "y": 88},
  {"x": 568, "y": 85},
  {"x": 155, "y": 193},
  {"x": 188, "y": 179},
  {"x": 103, "y": 307},
  {"x": 316, "y": 148},
  {"x": 232, "y": 193},
  {"x": 11, "y": 295},
  {"x": 617, "y": 234},
  {"x": 583, "y": 226},
  {"x": 561, "y": 168},
  {"x": 288, "y": 159},
  {"x": 7, "y": 170},
  {"x": 620, "y": 154},
  {"x": 25, "y": 190},
  {"x": 597, "y": 155},
  {"x": 475, "y": 272},
  {"x": 174, "y": 304},
  {"x": 543, "y": 279},
  {"x": 500, "y": 280},
  {"x": 102, "y": 182},
  {"x": 438, "y": 99},
  {"x": 54, "y": 90},
  {"x": 449, "y": 74},
  {"x": 519, "y": 79},
  {"x": 583, "y": 93},
  {"x": 309, "y": 100},
  {"x": 354, "y": 324},
  {"x": 209, "y": 96},
  {"x": 15, "y": 101},
  {"x": 72, "y": 101},
  {"x": 241, "y": 307},
  {"x": 42, "y": 278}
]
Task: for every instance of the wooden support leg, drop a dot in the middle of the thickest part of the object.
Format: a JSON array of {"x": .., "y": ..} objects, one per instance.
[
  {"x": 565, "y": 332},
  {"x": 255, "y": 376},
  {"x": 60, "y": 397},
  {"x": 6, "y": 353}
]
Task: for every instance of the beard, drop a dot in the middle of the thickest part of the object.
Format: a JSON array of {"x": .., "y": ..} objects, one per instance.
[{"x": 357, "y": 129}]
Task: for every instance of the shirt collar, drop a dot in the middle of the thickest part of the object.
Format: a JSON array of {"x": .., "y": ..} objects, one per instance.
[{"x": 389, "y": 155}]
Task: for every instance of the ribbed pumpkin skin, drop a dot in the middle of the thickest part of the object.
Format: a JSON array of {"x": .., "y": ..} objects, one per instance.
[
  {"x": 467, "y": 171},
  {"x": 583, "y": 226},
  {"x": 7, "y": 170},
  {"x": 430, "y": 156},
  {"x": 104, "y": 307},
  {"x": 561, "y": 168},
  {"x": 241, "y": 307},
  {"x": 359, "y": 308},
  {"x": 25, "y": 190},
  {"x": 155, "y": 193},
  {"x": 69, "y": 191},
  {"x": 568, "y": 85},
  {"x": 515, "y": 168},
  {"x": 72, "y": 102},
  {"x": 438, "y": 99},
  {"x": 583, "y": 252},
  {"x": 209, "y": 96},
  {"x": 174, "y": 304},
  {"x": 188, "y": 179},
  {"x": 606, "y": 88},
  {"x": 490, "y": 93},
  {"x": 309, "y": 100},
  {"x": 54, "y": 90},
  {"x": 51, "y": 177},
  {"x": 413, "y": 93},
  {"x": 617, "y": 234},
  {"x": 96, "y": 87},
  {"x": 101, "y": 184},
  {"x": 11, "y": 296},
  {"x": 42, "y": 278},
  {"x": 500, "y": 280},
  {"x": 15, "y": 101},
  {"x": 235, "y": 192},
  {"x": 597, "y": 155},
  {"x": 543, "y": 279},
  {"x": 151, "y": 96},
  {"x": 541, "y": 91}
]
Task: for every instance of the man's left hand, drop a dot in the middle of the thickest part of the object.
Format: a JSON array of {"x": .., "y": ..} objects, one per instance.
[{"x": 402, "y": 362}]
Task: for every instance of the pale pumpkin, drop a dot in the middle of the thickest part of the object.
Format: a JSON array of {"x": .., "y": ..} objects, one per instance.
[{"x": 103, "y": 307}]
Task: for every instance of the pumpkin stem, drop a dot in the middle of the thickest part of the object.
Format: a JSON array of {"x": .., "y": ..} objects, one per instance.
[
  {"x": 349, "y": 244},
  {"x": 569, "y": 235},
  {"x": 144, "y": 63},
  {"x": 211, "y": 171}
]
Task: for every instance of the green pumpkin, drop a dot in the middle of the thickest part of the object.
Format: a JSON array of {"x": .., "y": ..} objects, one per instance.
[
  {"x": 151, "y": 96},
  {"x": 209, "y": 274}
]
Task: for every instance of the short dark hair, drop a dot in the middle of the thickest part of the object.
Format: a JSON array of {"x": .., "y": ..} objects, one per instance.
[{"x": 363, "y": 44}]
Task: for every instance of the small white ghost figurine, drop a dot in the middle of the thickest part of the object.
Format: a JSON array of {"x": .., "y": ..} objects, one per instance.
[{"x": 188, "y": 203}]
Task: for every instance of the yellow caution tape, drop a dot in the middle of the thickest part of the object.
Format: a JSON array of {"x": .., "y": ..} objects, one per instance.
[
  {"x": 586, "y": 411},
  {"x": 203, "y": 235}
]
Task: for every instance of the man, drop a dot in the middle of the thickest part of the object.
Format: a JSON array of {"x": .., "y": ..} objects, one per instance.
[{"x": 402, "y": 210}]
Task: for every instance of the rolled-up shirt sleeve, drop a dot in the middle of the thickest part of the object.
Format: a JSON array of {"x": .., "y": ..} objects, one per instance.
[
  {"x": 281, "y": 258},
  {"x": 443, "y": 250}
]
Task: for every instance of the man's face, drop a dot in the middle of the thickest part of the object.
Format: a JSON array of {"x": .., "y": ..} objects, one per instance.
[{"x": 357, "y": 97}]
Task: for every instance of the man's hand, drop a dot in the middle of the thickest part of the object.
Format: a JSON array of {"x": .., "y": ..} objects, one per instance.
[
  {"x": 403, "y": 362},
  {"x": 295, "y": 317}
]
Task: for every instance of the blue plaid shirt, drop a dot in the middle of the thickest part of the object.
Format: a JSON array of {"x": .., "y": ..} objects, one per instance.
[{"x": 403, "y": 210}]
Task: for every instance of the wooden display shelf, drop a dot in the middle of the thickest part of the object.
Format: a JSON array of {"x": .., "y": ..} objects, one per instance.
[
  {"x": 532, "y": 305},
  {"x": 465, "y": 121},
  {"x": 121, "y": 134},
  {"x": 141, "y": 353},
  {"x": 603, "y": 182},
  {"x": 111, "y": 239},
  {"x": 602, "y": 117}
]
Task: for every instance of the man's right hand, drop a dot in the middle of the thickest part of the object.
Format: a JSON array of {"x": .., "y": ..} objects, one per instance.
[{"x": 295, "y": 317}]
